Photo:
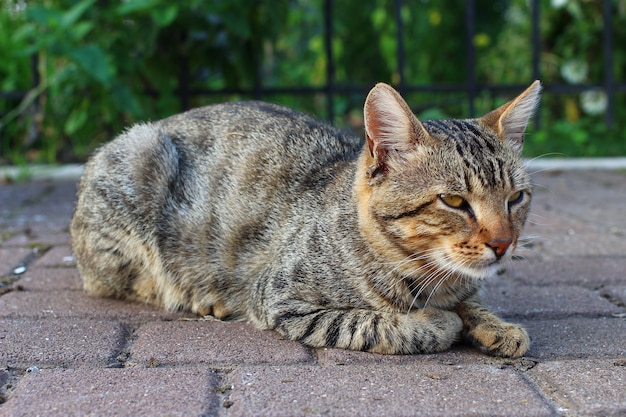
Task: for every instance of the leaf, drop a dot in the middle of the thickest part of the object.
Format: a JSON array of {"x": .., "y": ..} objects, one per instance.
[
  {"x": 44, "y": 16},
  {"x": 164, "y": 16},
  {"x": 72, "y": 15},
  {"x": 133, "y": 6},
  {"x": 24, "y": 33},
  {"x": 125, "y": 99},
  {"x": 75, "y": 121},
  {"x": 94, "y": 61},
  {"x": 81, "y": 29}
]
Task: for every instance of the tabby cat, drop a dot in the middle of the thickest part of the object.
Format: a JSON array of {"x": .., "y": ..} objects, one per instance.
[{"x": 256, "y": 212}]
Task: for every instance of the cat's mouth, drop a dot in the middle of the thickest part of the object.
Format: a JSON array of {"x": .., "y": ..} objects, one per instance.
[{"x": 478, "y": 271}]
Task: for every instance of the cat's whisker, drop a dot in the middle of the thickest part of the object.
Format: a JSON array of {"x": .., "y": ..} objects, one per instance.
[{"x": 435, "y": 275}]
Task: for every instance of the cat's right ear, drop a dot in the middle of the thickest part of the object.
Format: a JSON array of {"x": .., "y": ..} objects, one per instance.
[{"x": 391, "y": 128}]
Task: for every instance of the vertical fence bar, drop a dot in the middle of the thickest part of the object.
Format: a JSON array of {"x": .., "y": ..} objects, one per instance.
[
  {"x": 330, "y": 63},
  {"x": 535, "y": 39},
  {"x": 400, "y": 61},
  {"x": 183, "y": 83},
  {"x": 34, "y": 69},
  {"x": 609, "y": 86},
  {"x": 535, "y": 42},
  {"x": 470, "y": 51}
]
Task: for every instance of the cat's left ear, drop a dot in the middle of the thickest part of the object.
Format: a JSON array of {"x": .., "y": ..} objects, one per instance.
[{"x": 510, "y": 120}]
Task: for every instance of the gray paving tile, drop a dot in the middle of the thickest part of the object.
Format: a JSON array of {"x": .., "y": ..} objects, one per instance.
[
  {"x": 56, "y": 257},
  {"x": 584, "y": 388},
  {"x": 115, "y": 392},
  {"x": 458, "y": 354},
  {"x": 556, "y": 301},
  {"x": 59, "y": 342},
  {"x": 11, "y": 258},
  {"x": 50, "y": 279},
  {"x": 53, "y": 304},
  {"x": 32, "y": 239},
  {"x": 390, "y": 390},
  {"x": 572, "y": 338},
  {"x": 591, "y": 271},
  {"x": 615, "y": 293},
  {"x": 212, "y": 342}
]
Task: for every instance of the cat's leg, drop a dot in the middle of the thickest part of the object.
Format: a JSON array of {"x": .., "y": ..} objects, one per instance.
[
  {"x": 422, "y": 331},
  {"x": 490, "y": 333}
]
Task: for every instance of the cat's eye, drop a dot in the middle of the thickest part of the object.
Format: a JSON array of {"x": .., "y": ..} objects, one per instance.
[
  {"x": 515, "y": 198},
  {"x": 453, "y": 200}
]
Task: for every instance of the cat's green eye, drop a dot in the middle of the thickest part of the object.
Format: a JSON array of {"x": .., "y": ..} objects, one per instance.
[
  {"x": 453, "y": 200},
  {"x": 515, "y": 198}
]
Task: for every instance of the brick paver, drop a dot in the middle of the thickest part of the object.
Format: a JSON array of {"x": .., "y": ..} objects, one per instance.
[
  {"x": 417, "y": 389},
  {"x": 64, "y": 353},
  {"x": 115, "y": 392}
]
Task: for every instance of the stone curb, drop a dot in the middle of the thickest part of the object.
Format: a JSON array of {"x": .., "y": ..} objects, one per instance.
[{"x": 74, "y": 171}]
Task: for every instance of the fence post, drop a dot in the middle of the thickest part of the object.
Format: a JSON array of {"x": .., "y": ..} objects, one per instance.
[
  {"x": 400, "y": 62},
  {"x": 535, "y": 49},
  {"x": 330, "y": 63},
  {"x": 470, "y": 31},
  {"x": 607, "y": 37}
]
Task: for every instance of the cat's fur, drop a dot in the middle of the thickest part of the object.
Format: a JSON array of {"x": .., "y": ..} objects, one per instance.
[{"x": 254, "y": 211}]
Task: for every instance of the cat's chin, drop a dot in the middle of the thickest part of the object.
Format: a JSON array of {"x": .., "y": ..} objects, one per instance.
[{"x": 479, "y": 272}]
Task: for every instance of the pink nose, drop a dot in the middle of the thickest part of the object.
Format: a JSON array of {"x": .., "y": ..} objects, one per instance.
[{"x": 500, "y": 246}]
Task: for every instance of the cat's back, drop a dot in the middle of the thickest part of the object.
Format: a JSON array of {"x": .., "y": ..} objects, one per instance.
[
  {"x": 231, "y": 161},
  {"x": 240, "y": 129},
  {"x": 254, "y": 139}
]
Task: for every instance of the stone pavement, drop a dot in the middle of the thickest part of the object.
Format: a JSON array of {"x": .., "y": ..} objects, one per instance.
[{"x": 63, "y": 353}]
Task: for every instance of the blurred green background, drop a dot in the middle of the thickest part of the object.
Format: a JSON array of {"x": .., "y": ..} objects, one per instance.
[{"x": 88, "y": 68}]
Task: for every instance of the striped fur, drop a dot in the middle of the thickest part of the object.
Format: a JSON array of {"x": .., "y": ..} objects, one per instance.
[{"x": 254, "y": 212}]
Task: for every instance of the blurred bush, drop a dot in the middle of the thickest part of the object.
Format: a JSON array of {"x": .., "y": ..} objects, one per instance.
[{"x": 88, "y": 68}]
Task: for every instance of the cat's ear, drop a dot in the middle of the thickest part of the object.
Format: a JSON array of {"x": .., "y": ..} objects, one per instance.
[
  {"x": 510, "y": 120},
  {"x": 391, "y": 128}
]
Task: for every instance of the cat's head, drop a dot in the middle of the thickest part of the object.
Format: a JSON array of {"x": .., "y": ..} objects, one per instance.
[{"x": 444, "y": 195}]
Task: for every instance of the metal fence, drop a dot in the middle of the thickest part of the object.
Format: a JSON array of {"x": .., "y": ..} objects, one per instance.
[{"x": 470, "y": 88}]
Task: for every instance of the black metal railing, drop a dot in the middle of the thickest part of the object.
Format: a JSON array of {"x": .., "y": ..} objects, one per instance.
[{"x": 471, "y": 88}]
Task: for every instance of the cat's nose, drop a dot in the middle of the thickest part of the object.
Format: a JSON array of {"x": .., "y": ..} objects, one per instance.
[{"x": 500, "y": 246}]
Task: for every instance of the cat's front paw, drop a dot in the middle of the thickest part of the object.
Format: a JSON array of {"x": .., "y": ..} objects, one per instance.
[
  {"x": 444, "y": 326},
  {"x": 502, "y": 339}
]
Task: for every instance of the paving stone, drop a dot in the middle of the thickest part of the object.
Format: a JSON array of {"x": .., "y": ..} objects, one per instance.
[
  {"x": 584, "y": 388},
  {"x": 574, "y": 338},
  {"x": 32, "y": 239},
  {"x": 586, "y": 244},
  {"x": 592, "y": 271},
  {"x": 415, "y": 389},
  {"x": 213, "y": 342},
  {"x": 510, "y": 300},
  {"x": 596, "y": 197},
  {"x": 615, "y": 293},
  {"x": 10, "y": 258},
  {"x": 57, "y": 257},
  {"x": 59, "y": 342},
  {"x": 14, "y": 196},
  {"x": 115, "y": 392},
  {"x": 50, "y": 279},
  {"x": 458, "y": 354},
  {"x": 53, "y": 304}
]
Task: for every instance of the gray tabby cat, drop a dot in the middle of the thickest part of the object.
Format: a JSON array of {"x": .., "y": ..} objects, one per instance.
[{"x": 253, "y": 211}]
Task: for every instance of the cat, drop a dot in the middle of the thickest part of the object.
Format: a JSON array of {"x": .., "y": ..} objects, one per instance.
[{"x": 253, "y": 211}]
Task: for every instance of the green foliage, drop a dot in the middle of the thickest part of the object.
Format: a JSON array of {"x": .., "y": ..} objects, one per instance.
[{"x": 103, "y": 65}]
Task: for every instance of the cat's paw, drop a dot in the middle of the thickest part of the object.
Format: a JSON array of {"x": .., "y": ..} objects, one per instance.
[
  {"x": 446, "y": 327},
  {"x": 502, "y": 339}
]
